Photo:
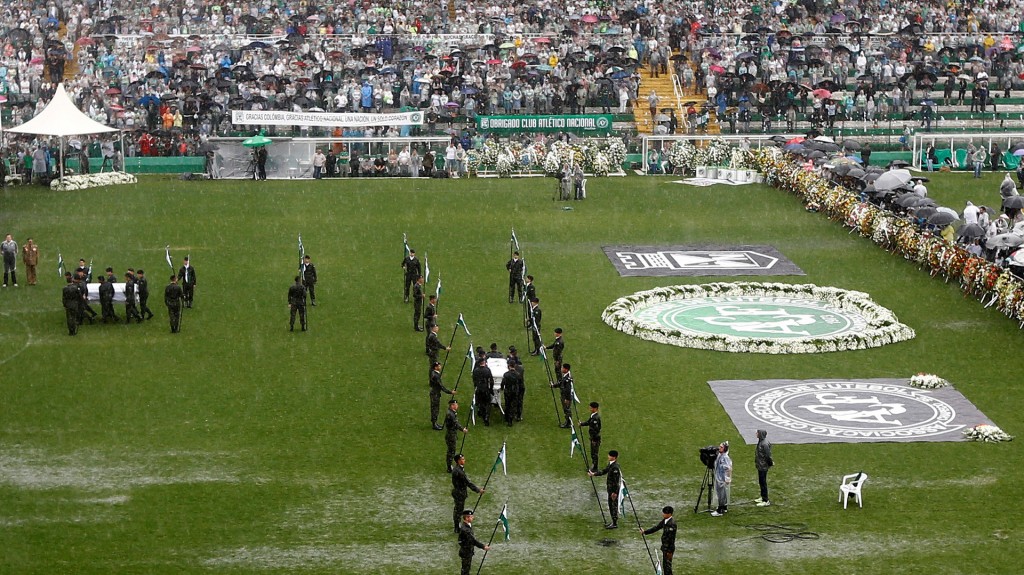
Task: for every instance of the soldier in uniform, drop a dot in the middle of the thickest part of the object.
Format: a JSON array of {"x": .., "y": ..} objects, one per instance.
[
  {"x": 130, "y": 311},
  {"x": 451, "y": 428},
  {"x": 187, "y": 277},
  {"x": 515, "y": 277},
  {"x": 434, "y": 346},
  {"x": 531, "y": 290},
  {"x": 70, "y": 297},
  {"x": 461, "y": 485},
  {"x": 565, "y": 385},
  {"x": 412, "y": 268},
  {"x": 535, "y": 317},
  {"x": 557, "y": 347},
  {"x": 511, "y": 383},
  {"x": 297, "y": 303},
  {"x": 436, "y": 388},
  {"x": 612, "y": 484},
  {"x": 30, "y": 257},
  {"x": 593, "y": 425},
  {"x": 667, "y": 526},
  {"x": 84, "y": 307},
  {"x": 174, "y": 297},
  {"x": 107, "y": 300},
  {"x": 513, "y": 357},
  {"x": 309, "y": 277},
  {"x": 430, "y": 315},
  {"x": 142, "y": 287},
  {"x": 417, "y": 303},
  {"x": 483, "y": 385},
  {"x": 468, "y": 543}
]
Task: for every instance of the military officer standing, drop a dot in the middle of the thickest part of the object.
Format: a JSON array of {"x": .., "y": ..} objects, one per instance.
[
  {"x": 531, "y": 290},
  {"x": 434, "y": 346},
  {"x": 535, "y": 317},
  {"x": 515, "y": 277},
  {"x": 297, "y": 303},
  {"x": 483, "y": 385},
  {"x": 187, "y": 277},
  {"x": 513, "y": 357},
  {"x": 667, "y": 526},
  {"x": 436, "y": 389},
  {"x": 309, "y": 278},
  {"x": 593, "y": 425},
  {"x": 417, "y": 303},
  {"x": 451, "y": 429},
  {"x": 174, "y": 298},
  {"x": 557, "y": 348},
  {"x": 612, "y": 484},
  {"x": 412, "y": 268},
  {"x": 461, "y": 485},
  {"x": 430, "y": 314},
  {"x": 468, "y": 543},
  {"x": 565, "y": 385}
]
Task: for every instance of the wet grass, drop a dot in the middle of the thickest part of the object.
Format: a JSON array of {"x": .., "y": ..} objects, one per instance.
[{"x": 239, "y": 447}]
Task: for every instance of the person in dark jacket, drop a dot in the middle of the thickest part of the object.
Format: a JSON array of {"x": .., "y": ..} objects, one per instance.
[
  {"x": 612, "y": 484},
  {"x": 297, "y": 303},
  {"x": 174, "y": 299},
  {"x": 461, "y": 486},
  {"x": 667, "y": 526},
  {"x": 468, "y": 543},
  {"x": 763, "y": 461}
]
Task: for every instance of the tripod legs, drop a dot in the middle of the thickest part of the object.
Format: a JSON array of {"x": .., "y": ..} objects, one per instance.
[{"x": 708, "y": 484}]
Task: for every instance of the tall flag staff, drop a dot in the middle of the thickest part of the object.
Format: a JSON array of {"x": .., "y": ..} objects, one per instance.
[
  {"x": 501, "y": 522},
  {"x": 624, "y": 491},
  {"x": 302, "y": 252},
  {"x": 460, "y": 323},
  {"x": 551, "y": 380},
  {"x": 574, "y": 442},
  {"x": 465, "y": 358},
  {"x": 504, "y": 468}
]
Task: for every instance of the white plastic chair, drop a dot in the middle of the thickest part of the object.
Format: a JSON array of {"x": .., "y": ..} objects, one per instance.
[{"x": 851, "y": 485}]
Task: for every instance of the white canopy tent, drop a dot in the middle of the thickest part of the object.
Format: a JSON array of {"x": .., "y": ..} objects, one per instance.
[{"x": 62, "y": 118}]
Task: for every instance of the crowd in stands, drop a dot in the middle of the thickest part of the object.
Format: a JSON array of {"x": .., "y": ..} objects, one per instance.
[{"x": 174, "y": 69}]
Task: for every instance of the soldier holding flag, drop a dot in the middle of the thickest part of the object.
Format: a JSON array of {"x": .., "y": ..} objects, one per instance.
[
  {"x": 187, "y": 277},
  {"x": 468, "y": 543},
  {"x": 436, "y": 388},
  {"x": 515, "y": 277},
  {"x": 667, "y": 526},
  {"x": 461, "y": 485},
  {"x": 565, "y": 385},
  {"x": 451, "y": 428},
  {"x": 297, "y": 303},
  {"x": 411, "y": 265},
  {"x": 173, "y": 299},
  {"x": 593, "y": 425},
  {"x": 309, "y": 278},
  {"x": 612, "y": 485}
]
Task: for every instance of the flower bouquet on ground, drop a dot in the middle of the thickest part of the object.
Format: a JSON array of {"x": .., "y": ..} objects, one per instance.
[
  {"x": 987, "y": 433},
  {"x": 86, "y": 181},
  {"x": 928, "y": 381}
]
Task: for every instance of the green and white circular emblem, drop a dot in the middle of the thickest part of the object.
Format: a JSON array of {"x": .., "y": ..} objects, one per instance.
[
  {"x": 757, "y": 317},
  {"x": 750, "y": 316}
]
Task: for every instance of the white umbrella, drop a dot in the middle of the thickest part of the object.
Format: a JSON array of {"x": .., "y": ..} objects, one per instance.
[
  {"x": 892, "y": 179},
  {"x": 949, "y": 211}
]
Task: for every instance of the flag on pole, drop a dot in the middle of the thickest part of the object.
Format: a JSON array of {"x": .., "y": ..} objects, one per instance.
[
  {"x": 426, "y": 268},
  {"x": 543, "y": 354},
  {"x": 572, "y": 388},
  {"x": 503, "y": 519},
  {"x": 405, "y": 243},
  {"x": 623, "y": 493},
  {"x": 470, "y": 357},
  {"x": 514, "y": 240},
  {"x": 657, "y": 568},
  {"x": 472, "y": 410},
  {"x": 501, "y": 457},
  {"x": 438, "y": 291},
  {"x": 462, "y": 323},
  {"x": 167, "y": 256},
  {"x": 302, "y": 252},
  {"x": 574, "y": 442},
  {"x": 60, "y": 264},
  {"x": 88, "y": 273}
]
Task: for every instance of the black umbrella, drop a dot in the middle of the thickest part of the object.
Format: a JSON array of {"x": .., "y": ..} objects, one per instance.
[
  {"x": 925, "y": 212},
  {"x": 1014, "y": 202},
  {"x": 970, "y": 231}
]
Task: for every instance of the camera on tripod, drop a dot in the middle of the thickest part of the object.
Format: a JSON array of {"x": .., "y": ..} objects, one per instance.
[{"x": 708, "y": 455}]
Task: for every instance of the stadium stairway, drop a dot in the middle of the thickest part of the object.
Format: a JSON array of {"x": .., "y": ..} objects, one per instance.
[{"x": 662, "y": 86}]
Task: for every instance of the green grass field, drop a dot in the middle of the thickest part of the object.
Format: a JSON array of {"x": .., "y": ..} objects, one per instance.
[{"x": 239, "y": 447}]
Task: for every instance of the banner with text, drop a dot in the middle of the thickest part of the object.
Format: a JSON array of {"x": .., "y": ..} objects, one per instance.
[
  {"x": 324, "y": 119},
  {"x": 582, "y": 123}
]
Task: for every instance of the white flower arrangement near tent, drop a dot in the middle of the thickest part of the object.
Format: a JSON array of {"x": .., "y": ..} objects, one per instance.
[
  {"x": 987, "y": 433},
  {"x": 882, "y": 326},
  {"x": 600, "y": 157},
  {"x": 86, "y": 181},
  {"x": 928, "y": 381}
]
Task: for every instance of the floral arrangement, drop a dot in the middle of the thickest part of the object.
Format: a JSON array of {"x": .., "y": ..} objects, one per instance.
[
  {"x": 991, "y": 284},
  {"x": 598, "y": 156},
  {"x": 86, "y": 181},
  {"x": 882, "y": 326},
  {"x": 686, "y": 156},
  {"x": 928, "y": 381},
  {"x": 987, "y": 433}
]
